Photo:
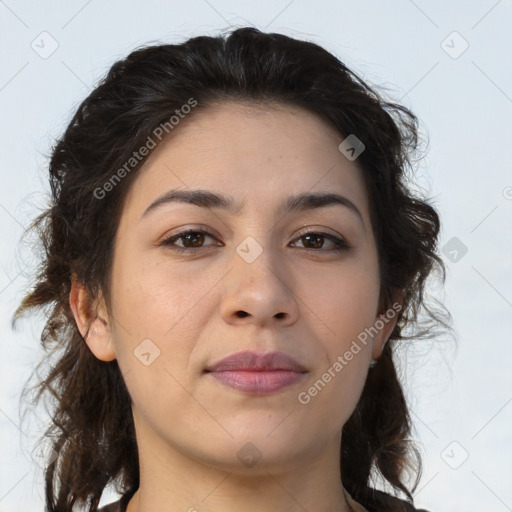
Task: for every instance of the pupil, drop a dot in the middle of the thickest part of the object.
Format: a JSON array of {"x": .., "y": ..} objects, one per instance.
[
  {"x": 317, "y": 237},
  {"x": 195, "y": 237}
]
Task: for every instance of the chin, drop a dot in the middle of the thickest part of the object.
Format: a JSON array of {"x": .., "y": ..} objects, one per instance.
[{"x": 255, "y": 451}]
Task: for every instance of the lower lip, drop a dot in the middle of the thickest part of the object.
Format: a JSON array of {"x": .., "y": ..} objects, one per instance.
[{"x": 258, "y": 382}]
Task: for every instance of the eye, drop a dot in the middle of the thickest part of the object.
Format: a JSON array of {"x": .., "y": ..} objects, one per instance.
[
  {"x": 192, "y": 238},
  {"x": 316, "y": 239}
]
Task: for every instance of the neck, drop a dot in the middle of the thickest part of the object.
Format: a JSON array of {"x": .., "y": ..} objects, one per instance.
[{"x": 188, "y": 485}]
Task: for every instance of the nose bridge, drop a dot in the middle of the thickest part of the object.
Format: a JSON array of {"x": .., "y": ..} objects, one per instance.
[
  {"x": 258, "y": 286},
  {"x": 256, "y": 260}
]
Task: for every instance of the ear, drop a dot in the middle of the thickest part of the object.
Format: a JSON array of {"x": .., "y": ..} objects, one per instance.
[
  {"x": 385, "y": 322},
  {"x": 92, "y": 320}
]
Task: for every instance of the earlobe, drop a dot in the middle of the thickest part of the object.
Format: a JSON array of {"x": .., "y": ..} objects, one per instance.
[{"x": 92, "y": 320}]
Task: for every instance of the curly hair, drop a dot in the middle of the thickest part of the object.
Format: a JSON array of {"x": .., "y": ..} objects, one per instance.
[{"x": 92, "y": 431}]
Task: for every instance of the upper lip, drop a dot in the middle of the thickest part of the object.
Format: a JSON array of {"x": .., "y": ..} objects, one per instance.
[{"x": 255, "y": 361}]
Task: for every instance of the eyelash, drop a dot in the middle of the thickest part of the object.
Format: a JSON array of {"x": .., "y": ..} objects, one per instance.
[{"x": 339, "y": 244}]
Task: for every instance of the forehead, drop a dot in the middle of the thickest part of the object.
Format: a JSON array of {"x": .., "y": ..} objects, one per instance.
[{"x": 259, "y": 153}]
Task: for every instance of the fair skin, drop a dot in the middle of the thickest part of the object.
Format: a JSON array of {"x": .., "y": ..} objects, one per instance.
[{"x": 299, "y": 297}]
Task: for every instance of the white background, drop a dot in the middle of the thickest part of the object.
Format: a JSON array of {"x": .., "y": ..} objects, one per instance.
[{"x": 461, "y": 398}]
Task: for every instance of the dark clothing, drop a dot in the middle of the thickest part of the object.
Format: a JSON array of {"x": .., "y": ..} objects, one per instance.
[{"x": 398, "y": 504}]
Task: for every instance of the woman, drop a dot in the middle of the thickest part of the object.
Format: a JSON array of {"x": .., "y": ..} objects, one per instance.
[{"x": 232, "y": 255}]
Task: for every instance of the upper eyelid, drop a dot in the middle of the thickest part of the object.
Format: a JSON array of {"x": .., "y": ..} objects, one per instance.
[
  {"x": 302, "y": 232},
  {"x": 185, "y": 231}
]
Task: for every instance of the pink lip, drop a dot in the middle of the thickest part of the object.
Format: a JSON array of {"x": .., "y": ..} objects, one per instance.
[{"x": 256, "y": 373}]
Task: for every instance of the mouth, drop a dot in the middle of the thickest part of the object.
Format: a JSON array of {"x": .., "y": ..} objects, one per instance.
[
  {"x": 256, "y": 373},
  {"x": 258, "y": 382}
]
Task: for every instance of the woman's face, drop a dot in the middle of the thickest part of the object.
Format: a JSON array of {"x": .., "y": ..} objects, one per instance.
[{"x": 249, "y": 278}]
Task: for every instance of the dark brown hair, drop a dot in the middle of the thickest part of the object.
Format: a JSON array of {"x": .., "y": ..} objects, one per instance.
[{"x": 92, "y": 428}]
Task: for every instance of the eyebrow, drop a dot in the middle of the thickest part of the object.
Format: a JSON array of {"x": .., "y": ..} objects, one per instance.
[{"x": 208, "y": 199}]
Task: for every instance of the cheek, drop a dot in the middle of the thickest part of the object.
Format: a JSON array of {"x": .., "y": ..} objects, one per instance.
[
  {"x": 153, "y": 296},
  {"x": 166, "y": 304},
  {"x": 345, "y": 300},
  {"x": 337, "y": 383},
  {"x": 335, "y": 388},
  {"x": 155, "y": 322}
]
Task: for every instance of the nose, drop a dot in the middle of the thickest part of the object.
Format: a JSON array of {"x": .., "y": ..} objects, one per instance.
[{"x": 260, "y": 292}]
